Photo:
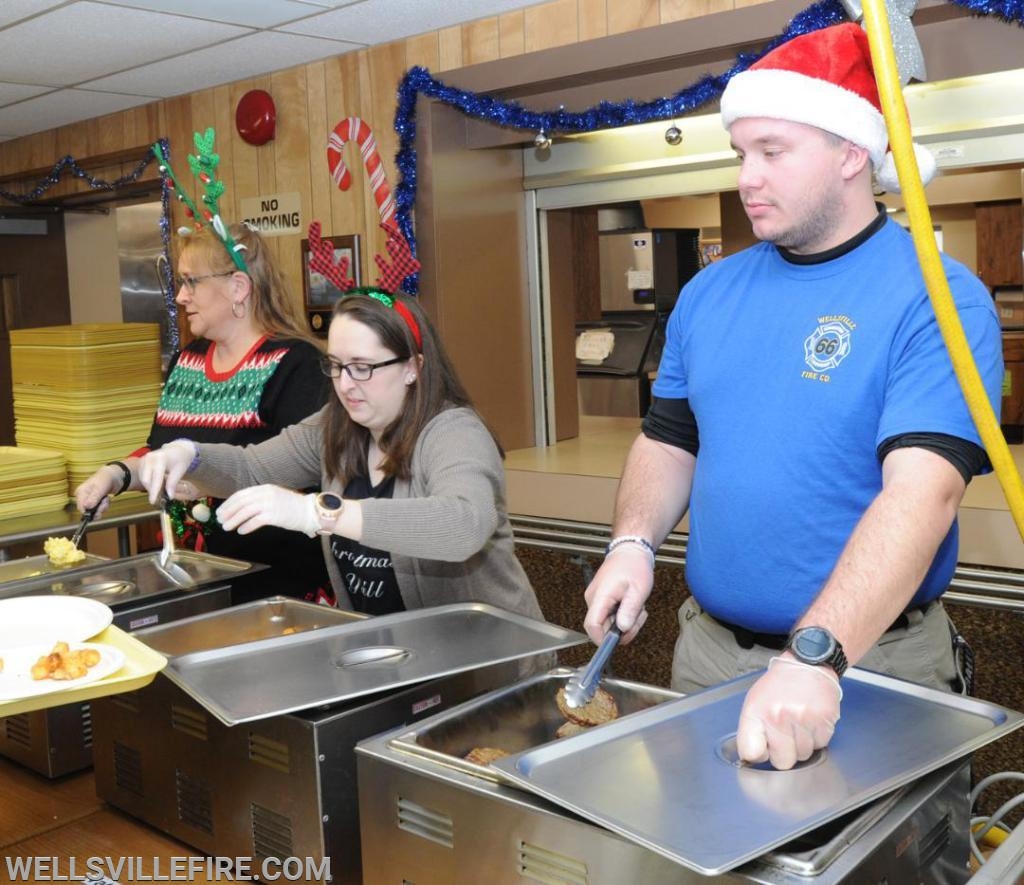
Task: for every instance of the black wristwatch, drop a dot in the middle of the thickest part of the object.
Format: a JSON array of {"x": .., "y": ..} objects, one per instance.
[{"x": 815, "y": 645}]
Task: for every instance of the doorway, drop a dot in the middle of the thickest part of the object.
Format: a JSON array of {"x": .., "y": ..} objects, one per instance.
[{"x": 33, "y": 289}]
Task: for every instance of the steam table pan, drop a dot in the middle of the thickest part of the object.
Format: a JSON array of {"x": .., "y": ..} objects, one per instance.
[{"x": 669, "y": 778}]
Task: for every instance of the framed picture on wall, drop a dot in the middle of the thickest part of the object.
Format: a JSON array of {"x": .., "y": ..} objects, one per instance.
[{"x": 318, "y": 292}]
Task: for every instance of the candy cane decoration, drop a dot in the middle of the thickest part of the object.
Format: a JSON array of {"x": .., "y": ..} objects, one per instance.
[{"x": 352, "y": 128}]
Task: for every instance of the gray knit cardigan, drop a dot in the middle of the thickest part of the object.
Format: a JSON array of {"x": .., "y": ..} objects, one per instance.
[{"x": 446, "y": 528}]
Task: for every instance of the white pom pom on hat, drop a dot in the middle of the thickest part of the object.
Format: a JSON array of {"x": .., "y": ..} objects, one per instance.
[{"x": 823, "y": 79}]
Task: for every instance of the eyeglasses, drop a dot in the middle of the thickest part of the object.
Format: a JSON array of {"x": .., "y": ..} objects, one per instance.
[
  {"x": 356, "y": 371},
  {"x": 190, "y": 282}
]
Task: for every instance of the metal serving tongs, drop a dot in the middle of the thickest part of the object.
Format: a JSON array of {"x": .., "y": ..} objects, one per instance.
[
  {"x": 165, "y": 560},
  {"x": 580, "y": 688},
  {"x": 87, "y": 517}
]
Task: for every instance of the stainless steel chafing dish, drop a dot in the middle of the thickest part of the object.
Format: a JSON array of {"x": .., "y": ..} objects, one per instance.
[
  {"x": 58, "y": 740},
  {"x": 280, "y": 781},
  {"x": 430, "y": 817}
]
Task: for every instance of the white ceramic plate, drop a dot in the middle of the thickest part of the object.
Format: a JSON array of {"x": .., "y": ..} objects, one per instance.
[
  {"x": 44, "y": 620},
  {"x": 16, "y": 680}
]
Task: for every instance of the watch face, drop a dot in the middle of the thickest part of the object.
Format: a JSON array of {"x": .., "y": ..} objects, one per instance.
[
  {"x": 813, "y": 644},
  {"x": 330, "y": 501}
]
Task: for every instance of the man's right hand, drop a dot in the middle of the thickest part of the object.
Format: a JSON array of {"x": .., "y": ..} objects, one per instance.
[{"x": 623, "y": 582}]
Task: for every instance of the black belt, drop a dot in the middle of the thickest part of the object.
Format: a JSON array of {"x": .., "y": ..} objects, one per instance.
[{"x": 777, "y": 641}]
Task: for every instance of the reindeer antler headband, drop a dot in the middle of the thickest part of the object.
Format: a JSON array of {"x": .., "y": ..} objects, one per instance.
[
  {"x": 321, "y": 259},
  {"x": 204, "y": 167}
]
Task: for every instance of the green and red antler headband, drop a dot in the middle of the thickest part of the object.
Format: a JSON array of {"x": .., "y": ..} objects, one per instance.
[
  {"x": 321, "y": 259},
  {"x": 204, "y": 167}
]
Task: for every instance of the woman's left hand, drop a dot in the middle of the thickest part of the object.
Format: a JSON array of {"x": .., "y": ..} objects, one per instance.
[{"x": 259, "y": 506}]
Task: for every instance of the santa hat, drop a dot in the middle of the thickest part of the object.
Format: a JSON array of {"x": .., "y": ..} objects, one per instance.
[{"x": 823, "y": 79}]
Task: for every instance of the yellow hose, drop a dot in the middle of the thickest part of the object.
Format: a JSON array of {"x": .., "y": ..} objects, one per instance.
[{"x": 883, "y": 57}]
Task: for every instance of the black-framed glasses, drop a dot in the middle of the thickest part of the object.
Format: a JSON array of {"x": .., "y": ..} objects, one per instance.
[
  {"x": 356, "y": 371},
  {"x": 190, "y": 282}
]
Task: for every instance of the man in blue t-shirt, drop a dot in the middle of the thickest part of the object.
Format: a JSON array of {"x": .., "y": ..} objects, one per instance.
[{"x": 807, "y": 415}]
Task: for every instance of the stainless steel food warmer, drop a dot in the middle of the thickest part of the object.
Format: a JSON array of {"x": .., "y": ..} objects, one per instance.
[
  {"x": 58, "y": 740},
  {"x": 620, "y": 802},
  {"x": 244, "y": 745}
]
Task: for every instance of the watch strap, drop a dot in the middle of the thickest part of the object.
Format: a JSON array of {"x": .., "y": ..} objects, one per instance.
[{"x": 836, "y": 660}]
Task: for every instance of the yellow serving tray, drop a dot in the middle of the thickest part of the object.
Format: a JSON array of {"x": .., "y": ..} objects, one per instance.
[{"x": 141, "y": 664}]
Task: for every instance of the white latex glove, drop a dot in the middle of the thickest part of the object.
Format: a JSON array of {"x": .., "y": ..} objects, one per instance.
[
  {"x": 624, "y": 580},
  {"x": 161, "y": 469},
  {"x": 257, "y": 506},
  {"x": 788, "y": 713},
  {"x": 99, "y": 489}
]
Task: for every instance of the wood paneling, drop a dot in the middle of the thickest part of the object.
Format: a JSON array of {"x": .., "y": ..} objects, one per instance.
[
  {"x": 631, "y": 15},
  {"x": 1000, "y": 231},
  {"x": 481, "y": 41},
  {"x": 550, "y": 25},
  {"x": 512, "y": 35}
]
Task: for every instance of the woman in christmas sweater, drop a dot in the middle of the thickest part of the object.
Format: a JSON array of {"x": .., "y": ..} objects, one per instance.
[{"x": 251, "y": 371}]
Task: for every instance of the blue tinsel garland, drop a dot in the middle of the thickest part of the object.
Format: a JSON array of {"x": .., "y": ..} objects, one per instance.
[
  {"x": 605, "y": 115},
  {"x": 164, "y": 266}
]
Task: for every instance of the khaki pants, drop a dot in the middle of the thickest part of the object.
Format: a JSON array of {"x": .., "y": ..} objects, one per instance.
[{"x": 707, "y": 653}]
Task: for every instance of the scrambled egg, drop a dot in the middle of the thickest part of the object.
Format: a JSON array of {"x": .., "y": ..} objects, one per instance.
[{"x": 62, "y": 552}]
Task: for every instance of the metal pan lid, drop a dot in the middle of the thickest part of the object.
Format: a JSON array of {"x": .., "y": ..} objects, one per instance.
[
  {"x": 269, "y": 677},
  {"x": 690, "y": 799}
]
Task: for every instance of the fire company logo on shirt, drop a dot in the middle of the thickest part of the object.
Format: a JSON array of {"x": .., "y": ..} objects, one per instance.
[{"x": 827, "y": 346}]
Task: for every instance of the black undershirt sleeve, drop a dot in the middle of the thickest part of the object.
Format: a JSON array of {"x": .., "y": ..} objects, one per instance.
[
  {"x": 967, "y": 457},
  {"x": 672, "y": 422}
]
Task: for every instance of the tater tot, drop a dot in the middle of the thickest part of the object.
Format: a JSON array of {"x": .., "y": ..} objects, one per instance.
[{"x": 62, "y": 664}]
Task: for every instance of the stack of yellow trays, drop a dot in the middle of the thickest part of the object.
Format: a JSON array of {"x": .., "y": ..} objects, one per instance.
[
  {"x": 31, "y": 481},
  {"x": 88, "y": 390}
]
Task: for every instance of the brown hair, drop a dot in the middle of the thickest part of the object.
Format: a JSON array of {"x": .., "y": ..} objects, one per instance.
[
  {"x": 437, "y": 388},
  {"x": 273, "y": 309}
]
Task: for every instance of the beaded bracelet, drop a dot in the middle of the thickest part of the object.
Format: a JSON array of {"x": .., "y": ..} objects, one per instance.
[
  {"x": 195, "y": 450},
  {"x": 126, "y": 475},
  {"x": 631, "y": 539}
]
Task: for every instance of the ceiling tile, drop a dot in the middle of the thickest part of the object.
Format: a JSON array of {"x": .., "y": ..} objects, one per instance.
[
  {"x": 329, "y": 4},
  {"x": 384, "y": 20},
  {"x": 12, "y": 92},
  {"x": 262, "y": 14},
  {"x": 62, "y": 107},
  {"x": 87, "y": 40},
  {"x": 14, "y": 10},
  {"x": 245, "y": 57}
]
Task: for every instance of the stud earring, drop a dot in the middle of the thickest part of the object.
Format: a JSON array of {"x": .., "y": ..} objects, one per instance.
[{"x": 409, "y": 379}]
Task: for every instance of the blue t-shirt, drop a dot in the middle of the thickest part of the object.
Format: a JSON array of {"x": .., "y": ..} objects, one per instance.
[{"x": 796, "y": 374}]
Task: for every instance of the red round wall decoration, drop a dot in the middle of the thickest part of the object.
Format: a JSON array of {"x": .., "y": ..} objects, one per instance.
[{"x": 255, "y": 117}]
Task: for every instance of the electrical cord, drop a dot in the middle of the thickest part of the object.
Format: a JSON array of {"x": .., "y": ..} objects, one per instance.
[{"x": 992, "y": 826}]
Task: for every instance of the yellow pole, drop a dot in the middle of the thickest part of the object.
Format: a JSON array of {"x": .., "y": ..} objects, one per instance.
[{"x": 883, "y": 57}]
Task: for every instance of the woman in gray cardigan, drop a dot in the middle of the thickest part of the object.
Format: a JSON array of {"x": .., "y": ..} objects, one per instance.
[{"x": 412, "y": 508}]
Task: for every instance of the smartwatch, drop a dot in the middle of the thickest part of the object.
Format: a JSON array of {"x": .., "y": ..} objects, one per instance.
[
  {"x": 816, "y": 645},
  {"x": 328, "y": 509}
]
